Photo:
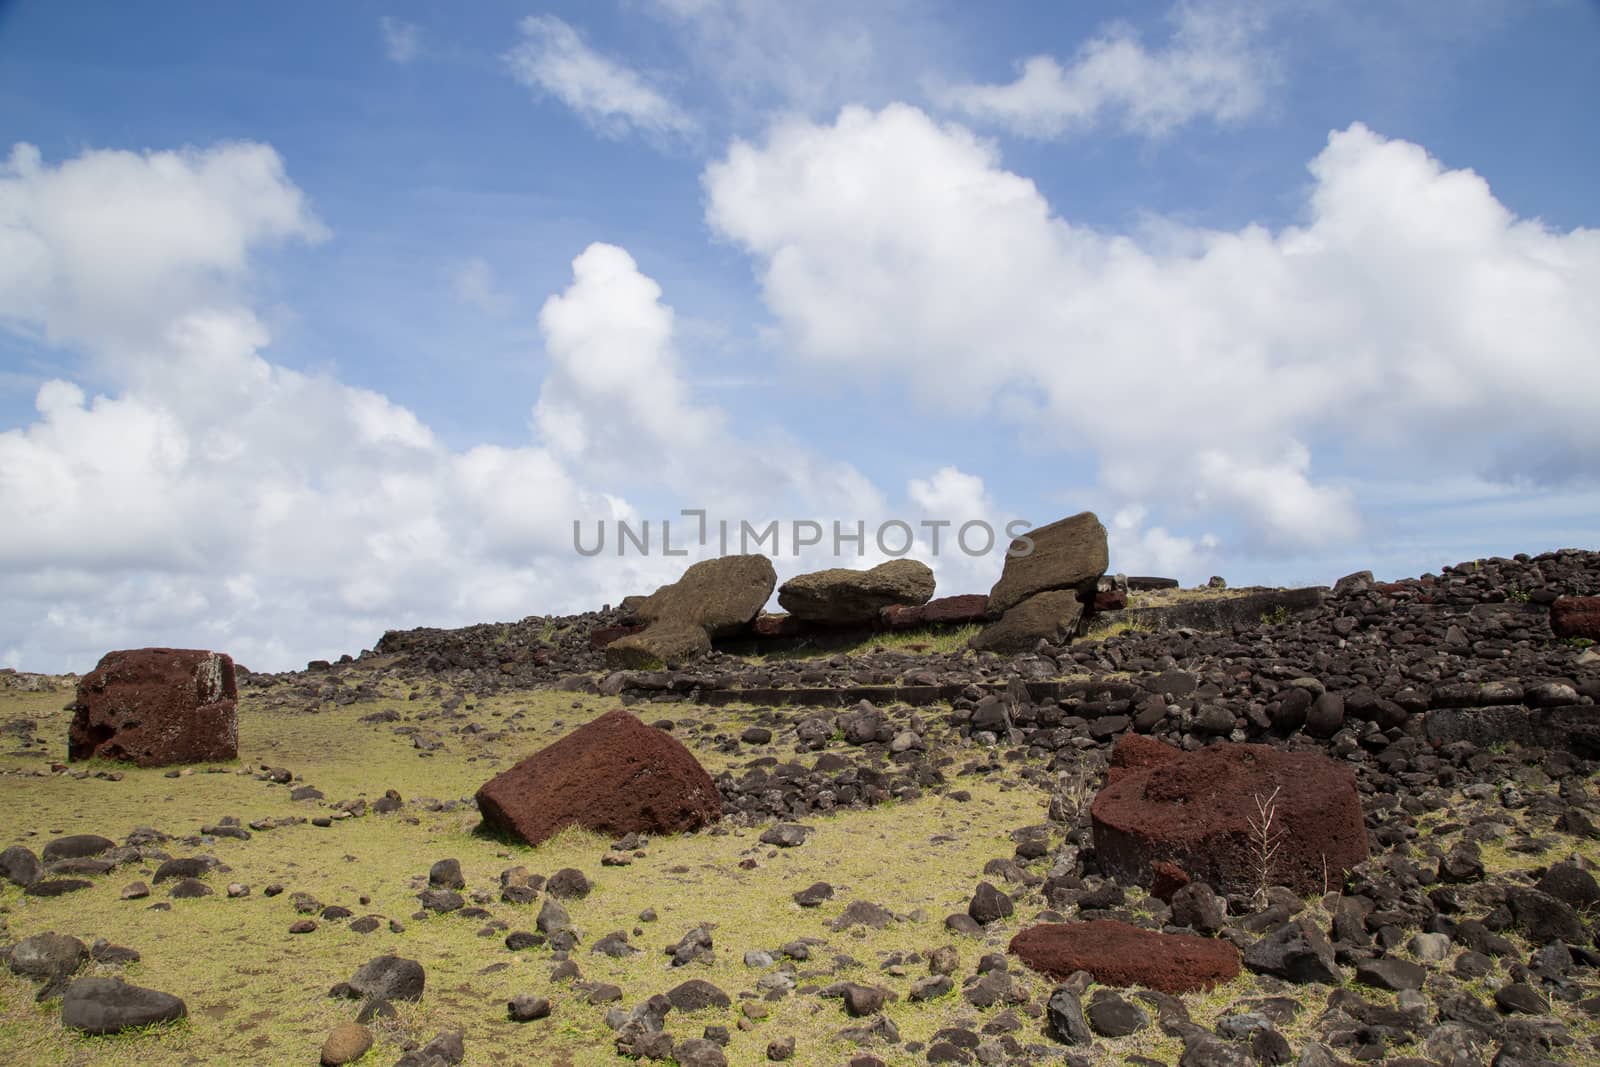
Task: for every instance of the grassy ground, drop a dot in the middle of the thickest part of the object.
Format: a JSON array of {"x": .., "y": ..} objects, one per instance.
[
  {"x": 256, "y": 993},
  {"x": 921, "y": 640}
]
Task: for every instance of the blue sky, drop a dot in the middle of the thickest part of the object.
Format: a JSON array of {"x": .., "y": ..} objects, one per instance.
[{"x": 324, "y": 319}]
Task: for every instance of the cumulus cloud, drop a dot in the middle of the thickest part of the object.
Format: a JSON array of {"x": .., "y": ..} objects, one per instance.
[
  {"x": 402, "y": 40},
  {"x": 203, "y": 494},
  {"x": 1214, "y": 66},
  {"x": 611, "y": 97},
  {"x": 1208, "y": 372},
  {"x": 210, "y": 496},
  {"x": 613, "y": 387},
  {"x": 106, "y": 249}
]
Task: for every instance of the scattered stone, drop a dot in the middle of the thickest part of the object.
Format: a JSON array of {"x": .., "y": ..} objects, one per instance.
[
  {"x": 389, "y": 978},
  {"x": 814, "y": 894},
  {"x": 989, "y": 904},
  {"x": 345, "y": 1043},
  {"x": 569, "y": 883},
  {"x": 110, "y": 1006},
  {"x": 527, "y": 1008},
  {"x": 19, "y": 866},
  {"x": 1297, "y": 951}
]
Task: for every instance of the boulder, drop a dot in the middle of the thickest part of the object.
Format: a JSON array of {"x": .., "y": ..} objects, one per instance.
[
  {"x": 1051, "y": 616},
  {"x": 844, "y": 597},
  {"x": 1066, "y": 555},
  {"x": 19, "y": 866},
  {"x": 1576, "y": 616},
  {"x": 389, "y": 978},
  {"x": 48, "y": 957},
  {"x": 1200, "y": 810},
  {"x": 1118, "y": 954},
  {"x": 720, "y": 596},
  {"x": 614, "y": 775},
  {"x": 156, "y": 706},
  {"x": 109, "y": 1006},
  {"x": 662, "y": 644},
  {"x": 714, "y": 598}
]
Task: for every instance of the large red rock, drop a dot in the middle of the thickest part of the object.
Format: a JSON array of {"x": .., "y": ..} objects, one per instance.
[
  {"x": 1195, "y": 809},
  {"x": 157, "y": 706},
  {"x": 1576, "y": 616},
  {"x": 614, "y": 775},
  {"x": 1121, "y": 955}
]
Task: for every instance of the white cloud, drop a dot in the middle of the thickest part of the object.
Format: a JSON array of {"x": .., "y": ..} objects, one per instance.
[
  {"x": 1215, "y": 66},
  {"x": 107, "y": 248},
  {"x": 208, "y": 496},
  {"x": 613, "y": 387},
  {"x": 402, "y": 40},
  {"x": 215, "y": 497},
  {"x": 1138, "y": 549},
  {"x": 809, "y": 57},
  {"x": 1209, "y": 372},
  {"x": 611, "y": 97}
]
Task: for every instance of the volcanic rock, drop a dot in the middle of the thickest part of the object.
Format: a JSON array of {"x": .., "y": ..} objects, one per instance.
[
  {"x": 614, "y": 775},
  {"x": 1298, "y": 951},
  {"x": 1066, "y": 555},
  {"x": 714, "y": 598},
  {"x": 941, "y": 611},
  {"x": 389, "y": 978},
  {"x": 1121, "y": 955},
  {"x": 1050, "y": 616},
  {"x": 844, "y": 597},
  {"x": 1197, "y": 809},
  {"x": 109, "y": 1006},
  {"x": 1576, "y": 616},
  {"x": 156, "y": 706},
  {"x": 19, "y": 866}
]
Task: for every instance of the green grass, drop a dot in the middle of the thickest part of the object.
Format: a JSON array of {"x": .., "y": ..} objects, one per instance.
[
  {"x": 923, "y": 640},
  {"x": 256, "y": 993}
]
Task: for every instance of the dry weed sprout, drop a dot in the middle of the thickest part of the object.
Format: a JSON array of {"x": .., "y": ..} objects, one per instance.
[{"x": 1266, "y": 838}]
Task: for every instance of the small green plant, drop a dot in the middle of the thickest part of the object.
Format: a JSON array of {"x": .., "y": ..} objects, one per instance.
[
  {"x": 1100, "y": 631},
  {"x": 1519, "y": 596},
  {"x": 1579, "y": 643},
  {"x": 1276, "y": 617}
]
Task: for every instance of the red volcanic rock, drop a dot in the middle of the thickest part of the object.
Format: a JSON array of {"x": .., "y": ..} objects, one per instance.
[
  {"x": 1576, "y": 616},
  {"x": 777, "y": 626},
  {"x": 156, "y": 706},
  {"x": 1195, "y": 809},
  {"x": 941, "y": 611},
  {"x": 1110, "y": 599},
  {"x": 614, "y": 775},
  {"x": 1121, "y": 955},
  {"x": 1134, "y": 752},
  {"x": 1166, "y": 878}
]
